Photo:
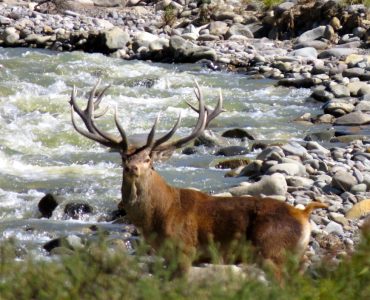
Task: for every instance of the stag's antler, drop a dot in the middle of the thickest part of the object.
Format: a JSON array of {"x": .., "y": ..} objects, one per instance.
[{"x": 157, "y": 147}]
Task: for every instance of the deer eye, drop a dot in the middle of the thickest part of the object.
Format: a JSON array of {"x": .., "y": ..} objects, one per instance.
[{"x": 147, "y": 160}]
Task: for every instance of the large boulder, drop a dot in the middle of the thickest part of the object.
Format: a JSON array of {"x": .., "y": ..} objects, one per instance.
[
  {"x": 312, "y": 34},
  {"x": 268, "y": 186},
  {"x": 116, "y": 38},
  {"x": 239, "y": 30},
  {"x": 354, "y": 118}
]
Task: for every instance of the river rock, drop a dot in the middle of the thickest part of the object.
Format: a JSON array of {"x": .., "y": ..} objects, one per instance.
[
  {"x": 143, "y": 39},
  {"x": 312, "y": 145},
  {"x": 268, "y": 152},
  {"x": 218, "y": 28},
  {"x": 308, "y": 52},
  {"x": 339, "y": 90},
  {"x": 353, "y": 72},
  {"x": 268, "y": 186},
  {"x": 338, "y": 107},
  {"x": 354, "y": 118},
  {"x": 47, "y": 205},
  {"x": 363, "y": 106},
  {"x": 238, "y": 133},
  {"x": 322, "y": 95},
  {"x": 253, "y": 169},
  {"x": 76, "y": 210},
  {"x": 336, "y": 52},
  {"x": 334, "y": 227},
  {"x": 297, "y": 181},
  {"x": 10, "y": 36},
  {"x": 232, "y": 151},
  {"x": 343, "y": 181},
  {"x": 354, "y": 87},
  {"x": 318, "y": 45},
  {"x": 290, "y": 169},
  {"x": 294, "y": 149},
  {"x": 116, "y": 38},
  {"x": 312, "y": 34},
  {"x": 240, "y": 30}
]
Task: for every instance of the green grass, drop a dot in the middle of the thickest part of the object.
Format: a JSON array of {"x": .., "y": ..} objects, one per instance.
[{"x": 99, "y": 273}]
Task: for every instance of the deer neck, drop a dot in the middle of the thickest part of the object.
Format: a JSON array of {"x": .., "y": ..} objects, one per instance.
[{"x": 145, "y": 197}]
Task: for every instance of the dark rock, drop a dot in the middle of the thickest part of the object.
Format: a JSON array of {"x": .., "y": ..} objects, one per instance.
[
  {"x": 189, "y": 150},
  {"x": 238, "y": 133},
  {"x": 232, "y": 163},
  {"x": 232, "y": 151},
  {"x": 76, "y": 210},
  {"x": 47, "y": 205},
  {"x": 297, "y": 83}
]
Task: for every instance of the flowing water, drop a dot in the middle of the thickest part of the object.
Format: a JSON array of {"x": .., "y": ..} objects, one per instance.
[{"x": 41, "y": 153}]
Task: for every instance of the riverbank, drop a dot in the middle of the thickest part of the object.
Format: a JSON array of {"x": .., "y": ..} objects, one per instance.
[{"x": 319, "y": 45}]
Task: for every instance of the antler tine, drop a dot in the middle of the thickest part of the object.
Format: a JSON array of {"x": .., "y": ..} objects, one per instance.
[
  {"x": 124, "y": 140},
  {"x": 198, "y": 129},
  {"x": 88, "y": 115},
  {"x": 150, "y": 139},
  {"x": 168, "y": 135},
  {"x": 88, "y": 134},
  {"x": 211, "y": 114}
]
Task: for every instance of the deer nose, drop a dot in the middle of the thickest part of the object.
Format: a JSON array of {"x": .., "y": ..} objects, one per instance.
[{"x": 132, "y": 170}]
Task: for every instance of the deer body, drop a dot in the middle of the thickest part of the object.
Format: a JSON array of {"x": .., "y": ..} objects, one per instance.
[
  {"x": 194, "y": 220},
  {"x": 191, "y": 220}
]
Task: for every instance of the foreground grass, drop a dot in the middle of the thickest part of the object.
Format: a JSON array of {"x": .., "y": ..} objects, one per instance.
[{"x": 98, "y": 273}]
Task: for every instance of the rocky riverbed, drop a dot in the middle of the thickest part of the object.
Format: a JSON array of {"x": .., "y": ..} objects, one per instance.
[{"x": 319, "y": 45}]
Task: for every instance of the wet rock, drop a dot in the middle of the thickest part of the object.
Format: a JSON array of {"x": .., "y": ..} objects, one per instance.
[
  {"x": 269, "y": 152},
  {"x": 71, "y": 242},
  {"x": 314, "y": 146},
  {"x": 354, "y": 118},
  {"x": 76, "y": 210},
  {"x": 231, "y": 163},
  {"x": 232, "y": 151},
  {"x": 322, "y": 95},
  {"x": 268, "y": 186},
  {"x": 297, "y": 83},
  {"x": 47, "y": 205},
  {"x": 238, "y": 133},
  {"x": 253, "y": 169}
]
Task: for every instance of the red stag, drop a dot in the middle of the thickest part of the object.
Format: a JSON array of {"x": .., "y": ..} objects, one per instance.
[{"x": 190, "y": 219}]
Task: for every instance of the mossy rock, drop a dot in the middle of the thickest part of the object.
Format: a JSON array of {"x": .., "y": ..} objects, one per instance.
[{"x": 232, "y": 163}]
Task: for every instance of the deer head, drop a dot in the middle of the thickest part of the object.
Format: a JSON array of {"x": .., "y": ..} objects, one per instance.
[{"x": 138, "y": 159}]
